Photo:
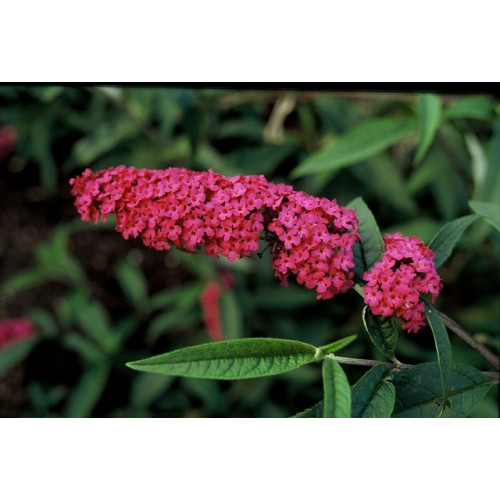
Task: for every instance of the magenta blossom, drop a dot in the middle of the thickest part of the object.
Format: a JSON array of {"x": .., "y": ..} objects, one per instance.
[
  {"x": 180, "y": 207},
  {"x": 15, "y": 329},
  {"x": 210, "y": 304},
  {"x": 8, "y": 137},
  {"x": 315, "y": 240},
  {"x": 394, "y": 284},
  {"x": 311, "y": 238}
]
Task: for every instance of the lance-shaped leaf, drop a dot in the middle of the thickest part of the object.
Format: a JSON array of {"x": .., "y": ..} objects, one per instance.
[
  {"x": 443, "y": 348},
  {"x": 338, "y": 344},
  {"x": 15, "y": 353},
  {"x": 429, "y": 114},
  {"x": 489, "y": 211},
  {"x": 373, "y": 396},
  {"x": 419, "y": 394},
  {"x": 480, "y": 107},
  {"x": 89, "y": 389},
  {"x": 337, "y": 402},
  {"x": 382, "y": 331},
  {"x": 370, "y": 249},
  {"x": 231, "y": 359},
  {"x": 357, "y": 145},
  {"x": 445, "y": 240},
  {"x": 132, "y": 282},
  {"x": 315, "y": 411}
]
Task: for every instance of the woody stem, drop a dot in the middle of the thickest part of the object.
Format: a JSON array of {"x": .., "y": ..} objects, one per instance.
[
  {"x": 399, "y": 366},
  {"x": 460, "y": 332},
  {"x": 467, "y": 337}
]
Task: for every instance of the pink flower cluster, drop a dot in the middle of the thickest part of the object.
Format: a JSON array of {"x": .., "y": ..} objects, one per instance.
[
  {"x": 8, "y": 137},
  {"x": 180, "y": 207},
  {"x": 315, "y": 241},
  {"x": 211, "y": 311},
  {"x": 14, "y": 330},
  {"x": 312, "y": 238},
  {"x": 394, "y": 284}
]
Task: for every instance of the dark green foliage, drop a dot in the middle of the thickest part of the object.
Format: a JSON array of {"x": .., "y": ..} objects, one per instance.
[
  {"x": 373, "y": 396},
  {"x": 424, "y": 165},
  {"x": 382, "y": 331},
  {"x": 418, "y": 391}
]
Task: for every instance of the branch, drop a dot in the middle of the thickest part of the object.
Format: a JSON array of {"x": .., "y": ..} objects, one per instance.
[
  {"x": 462, "y": 333},
  {"x": 237, "y": 98},
  {"x": 398, "y": 366},
  {"x": 371, "y": 362},
  {"x": 467, "y": 337}
]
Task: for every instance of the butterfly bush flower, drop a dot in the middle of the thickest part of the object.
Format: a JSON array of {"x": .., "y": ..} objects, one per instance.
[
  {"x": 311, "y": 238},
  {"x": 315, "y": 240},
  {"x": 394, "y": 284},
  {"x": 179, "y": 207},
  {"x": 14, "y": 330},
  {"x": 209, "y": 300}
]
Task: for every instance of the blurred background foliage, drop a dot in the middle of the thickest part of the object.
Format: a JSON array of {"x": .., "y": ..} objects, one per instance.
[{"x": 99, "y": 301}]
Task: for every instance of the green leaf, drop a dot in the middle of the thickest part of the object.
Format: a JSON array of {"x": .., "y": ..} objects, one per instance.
[
  {"x": 183, "y": 315},
  {"x": 187, "y": 294},
  {"x": 370, "y": 249},
  {"x": 423, "y": 228},
  {"x": 418, "y": 391},
  {"x": 374, "y": 394},
  {"x": 162, "y": 323},
  {"x": 15, "y": 353},
  {"x": 443, "y": 348},
  {"x": 47, "y": 94},
  {"x": 359, "y": 144},
  {"x": 445, "y": 240},
  {"x": 338, "y": 344},
  {"x": 103, "y": 139},
  {"x": 85, "y": 348},
  {"x": 54, "y": 259},
  {"x": 94, "y": 321},
  {"x": 425, "y": 174},
  {"x": 383, "y": 178},
  {"x": 382, "y": 331},
  {"x": 25, "y": 278},
  {"x": 231, "y": 359},
  {"x": 276, "y": 297},
  {"x": 248, "y": 128},
  {"x": 479, "y": 107},
  {"x": 69, "y": 306},
  {"x": 88, "y": 391},
  {"x": 147, "y": 388},
  {"x": 490, "y": 190},
  {"x": 479, "y": 162},
  {"x": 337, "y": 402},
  {"x": 490, "y": 212},
  {"x": 125, "y": 327},
  {"x": 315, "y": 411},
  {"x": 231, "y": 317},
  {"x": 132, "y": 282},
  {"x": 448, "y": 190},
  {"x": 194, "y": 121},
  {"x": 44, "y": 321},
  {"x": 429, "y": 114},
  {"x": 260, "y": 159},
  {"x": 41, "y": 144},
  {"x": 43, "y": 398}
]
